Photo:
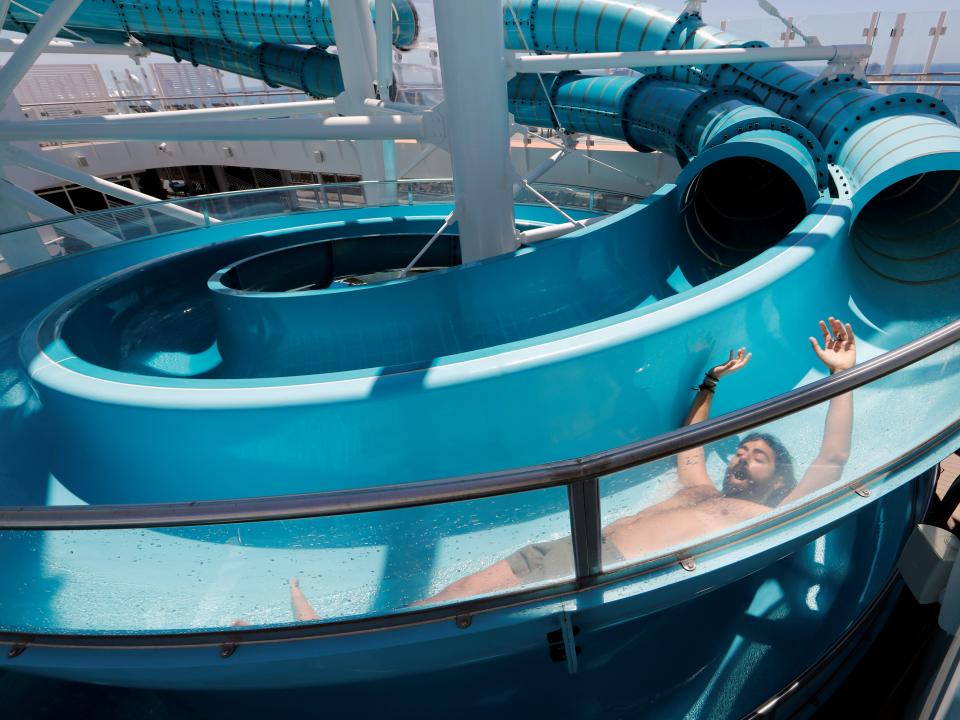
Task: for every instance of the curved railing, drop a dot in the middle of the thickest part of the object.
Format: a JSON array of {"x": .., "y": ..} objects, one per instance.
[
  {"x": 473, "y": 487},
  {"x": 67, "y": 235},
  {"x": 589, "y": 482}
]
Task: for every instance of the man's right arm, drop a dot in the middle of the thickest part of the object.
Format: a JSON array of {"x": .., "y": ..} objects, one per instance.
[{"x": 691, "y": 464}]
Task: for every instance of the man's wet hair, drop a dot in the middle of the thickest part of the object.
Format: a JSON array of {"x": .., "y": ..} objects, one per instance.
[{"x": 783, "y": 469}]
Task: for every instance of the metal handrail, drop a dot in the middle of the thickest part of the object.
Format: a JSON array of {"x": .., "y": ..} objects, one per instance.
[
  {"x": 201, "y": 199},
  {"x": 472, "y": 487}
]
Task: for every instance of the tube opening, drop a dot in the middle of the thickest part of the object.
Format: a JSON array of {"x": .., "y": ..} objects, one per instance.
[
  {"x": 738, "y": 207},
  {"x": 910, "y": 232}
]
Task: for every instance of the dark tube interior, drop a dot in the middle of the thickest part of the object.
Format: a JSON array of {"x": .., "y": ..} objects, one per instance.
[
  {"x": 910, "y": 232},
  {"x": 738, "y": 207}
]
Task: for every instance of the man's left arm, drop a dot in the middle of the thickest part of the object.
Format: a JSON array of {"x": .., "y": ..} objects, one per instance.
[{"x": 838, "y": 353}]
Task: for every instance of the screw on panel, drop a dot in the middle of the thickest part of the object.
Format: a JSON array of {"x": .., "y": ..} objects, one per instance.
[
  {"x": 16, "y": 650},
  {"x": 228, "y": 649},
  {"x": 464, "y": 621},
  {"x": 688, "y": 564},
  {"x": 863, "y": 492}
]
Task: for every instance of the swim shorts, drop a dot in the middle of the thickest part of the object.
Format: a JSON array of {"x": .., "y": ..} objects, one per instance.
[{"x": 554, "y": 560}]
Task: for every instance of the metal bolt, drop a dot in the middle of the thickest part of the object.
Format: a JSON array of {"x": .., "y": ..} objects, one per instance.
[
  {"x": 16, "y": 650},
  {"x": 688, "y": 564},
  {"x": 228, "y": 649},
  {"x": 863, "y": 492},
  {"x": 464, "y": 621}
]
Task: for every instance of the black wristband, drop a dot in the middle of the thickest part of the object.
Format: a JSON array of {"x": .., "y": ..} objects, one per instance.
[
  {"x": 708, "y": 388},
  {"x": 712, "y": 377}
]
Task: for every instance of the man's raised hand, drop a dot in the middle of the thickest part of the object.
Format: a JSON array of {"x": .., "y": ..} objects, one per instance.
[
  {"x": 839, "y": 351},
  {"x": 732, "y": 365}
]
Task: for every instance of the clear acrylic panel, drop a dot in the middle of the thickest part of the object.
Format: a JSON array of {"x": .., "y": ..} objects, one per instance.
[
  {"x": 269, "y": 573},
  {"x": 666, "y": 507}
]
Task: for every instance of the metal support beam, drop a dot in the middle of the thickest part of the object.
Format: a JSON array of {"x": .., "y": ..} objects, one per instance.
[
  {"x": 526, "y": 63},
  {"x": 334, "y": 128},
  {"x": 49, "y": 167},
  {"x": 471, "y": 40},
  {"x": 936, "y": 32},
  {"x": 895, "y": 34},
  {"x": 548, "y": 232},
  {"x": 357, "y": 49},
  {"x": 239, "y": 112},
  {"x": 76, "y": 47},
  {"x": 384, "y": 31},
  {"x": 584, "y": 499},
  {"x": 540, "y": 170},
  {"x": 43, "y": 32}
]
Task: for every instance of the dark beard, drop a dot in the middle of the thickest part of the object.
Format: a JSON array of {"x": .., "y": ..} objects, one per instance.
[{"x": 748, "y": 490}]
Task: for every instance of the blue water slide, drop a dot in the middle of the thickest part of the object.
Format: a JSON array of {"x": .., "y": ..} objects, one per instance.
[
  {"x": 300, "y": 22},
  {"x": 246, "y": 359},
  {"x": 312, "y": 70}
]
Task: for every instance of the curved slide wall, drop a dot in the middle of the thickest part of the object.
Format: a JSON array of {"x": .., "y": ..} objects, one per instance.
[{"x": 574, "y": 345}]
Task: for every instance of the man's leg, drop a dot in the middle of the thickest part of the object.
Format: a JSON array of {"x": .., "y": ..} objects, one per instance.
[
  {"x": 498, "y": 576},
  {"x": 302, "y": 609}
]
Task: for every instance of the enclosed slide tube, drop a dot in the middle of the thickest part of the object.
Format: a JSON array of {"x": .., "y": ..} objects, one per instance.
[
  {"x": 759, "y": 142},
  {"x": 299, "y": 22},
  {"x": 904, "y": 146}
]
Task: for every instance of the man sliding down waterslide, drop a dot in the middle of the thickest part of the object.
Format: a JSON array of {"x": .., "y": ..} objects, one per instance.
[{"x": 758, "y": 477}]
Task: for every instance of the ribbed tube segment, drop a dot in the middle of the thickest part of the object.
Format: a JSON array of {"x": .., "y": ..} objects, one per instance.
[
  {"x": 903, "y": 173},
  {"x": 653, "y": 114},
  {"x": 830, "y": 109},
  {"x": 312, "y": 70},
  {"x": 300, "y": 22},
  {"x": 744, "y": 195}
]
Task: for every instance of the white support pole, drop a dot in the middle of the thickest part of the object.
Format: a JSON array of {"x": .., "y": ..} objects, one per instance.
[
  {"x": 470, "y": 39},
  {"x": 895, "y": 36},
  {"x": 546, "y": 201},
  {"x": 548, "y": 232},
  {"x": 45, "y": 165},
  {"x": 235, "y": 112},
  {"x": 936, "y": 32},
  {"x": 381, "y": 127},
  {"x": 384, "y": 32},
  {"x": 47, "y": 27},
  {"x": 540, "y": 170},
  {"x": 447, "y": 222},
  {"x": 4, "y": 8},
  {"x": 75, "y": 47},
  {"x": 357, "y": 48},
  {"x": 526, "y": 63}
]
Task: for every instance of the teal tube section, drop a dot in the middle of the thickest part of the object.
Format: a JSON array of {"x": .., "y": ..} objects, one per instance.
[
  {"x": 829, "y": 110},
  {"x": 300, "y": 22},
  {"x": 312, "y": 70},
  {"x": 784, "y": 136}
]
